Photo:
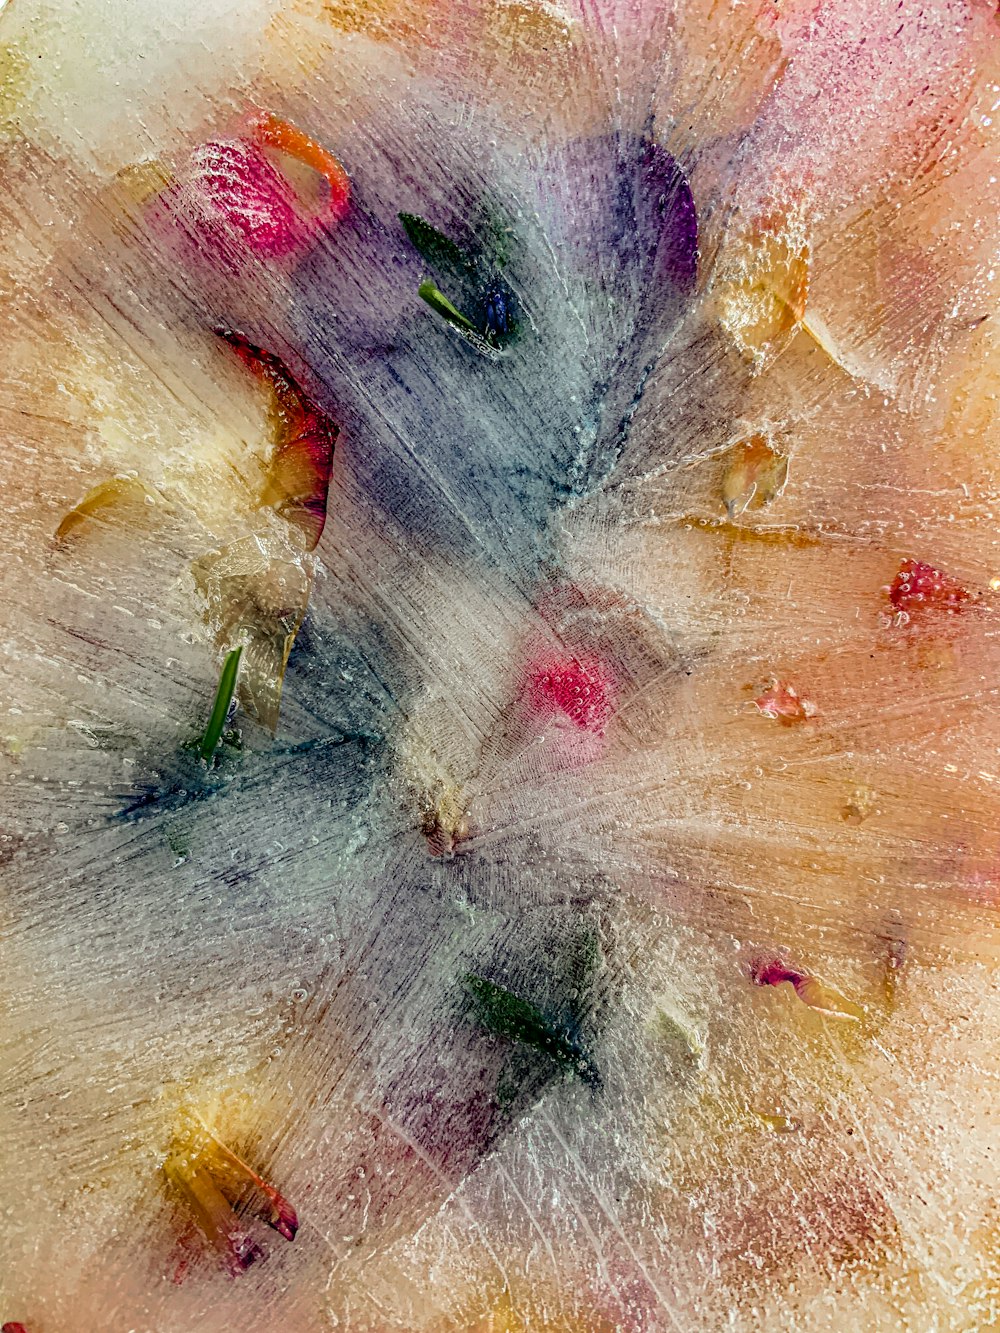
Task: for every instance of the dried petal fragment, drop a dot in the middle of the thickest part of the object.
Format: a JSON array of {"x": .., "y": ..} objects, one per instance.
[
  {"x": 895, "y": 950},
  {"x": 279, "y": 1212},
  {"x": 210, "y": 1175},
  {"x": 920, "y": 587},
  {"x": 244, "y": 200},
  {"x": 103, "y": 503},
  {"x": 444, "y": 819},
  {"x": 139, "y": 182},
  {"x": 530, "y": 30},
  {"x": 404, "y": 21},
  {"x": 14, "y": 68},
  {"x": 824, "y": 999},
  {"x": 212, "y": 1212},
  {"x": 679, "y": 1035},
  {"x": 777, "y": 1122},
  {"x": 859, "y": 807},
  {"x": 762, "y": 285},
  {"x": 754, "y": 476},
  {"x": 781, "y": 701},
  {"x": 529, "y": 47}
]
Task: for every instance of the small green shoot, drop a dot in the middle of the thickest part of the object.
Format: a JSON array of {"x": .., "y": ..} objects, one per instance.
[
  {"x": 220, "y": 709},
  {"x": 440, "y": 304}
]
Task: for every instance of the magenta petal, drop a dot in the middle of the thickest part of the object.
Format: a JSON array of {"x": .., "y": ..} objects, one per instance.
[{"x": 240, "y": 189}]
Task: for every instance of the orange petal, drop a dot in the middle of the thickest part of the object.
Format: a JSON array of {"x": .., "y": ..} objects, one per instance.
[{"x": 288, "y": 138}]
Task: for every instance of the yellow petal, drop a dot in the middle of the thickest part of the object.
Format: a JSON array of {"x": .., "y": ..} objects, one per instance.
[
  {"x": 106, "y": 502},
  {"x": 762, "y": 284}
]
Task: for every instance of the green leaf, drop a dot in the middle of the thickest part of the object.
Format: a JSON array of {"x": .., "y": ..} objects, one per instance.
[
  {"x": 439, "y": 250},
  {"x": 507, "y": 1015},
  {"x": 220, "y": 710}
]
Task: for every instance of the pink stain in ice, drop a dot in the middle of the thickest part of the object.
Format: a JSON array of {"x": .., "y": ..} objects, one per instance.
[
  {"x": 582, "y": 690},
  {"x": 900, "y": 67},
  {"x": 184, "y": 1255},
  {"x": 920, "y": 587},
  {"x": 978, "y": 880}
]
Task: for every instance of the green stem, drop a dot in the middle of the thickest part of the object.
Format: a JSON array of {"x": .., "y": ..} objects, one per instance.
[{"x": 220, "y": 709}]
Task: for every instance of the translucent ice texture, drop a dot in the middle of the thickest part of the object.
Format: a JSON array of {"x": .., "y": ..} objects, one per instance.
[{"x": 500, "y": 820}]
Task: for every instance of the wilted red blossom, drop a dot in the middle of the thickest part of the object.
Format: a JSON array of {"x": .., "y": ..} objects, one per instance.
[
  {"x": 772, "y": 972},
  {"x": 810, "y": 990},
  {"x": 298, "y": 480}
]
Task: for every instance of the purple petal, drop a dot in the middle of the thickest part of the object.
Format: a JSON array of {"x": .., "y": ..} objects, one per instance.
[{"x": 666, "y": 217}]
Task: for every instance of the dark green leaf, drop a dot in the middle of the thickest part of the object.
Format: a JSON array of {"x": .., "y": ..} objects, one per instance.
[
  {"x": 507, "y": 1015},
  {"x": 439, "y": 250}
]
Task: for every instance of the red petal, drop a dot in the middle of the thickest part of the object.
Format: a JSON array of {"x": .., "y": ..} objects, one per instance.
[{"x": 299, "y": 481}]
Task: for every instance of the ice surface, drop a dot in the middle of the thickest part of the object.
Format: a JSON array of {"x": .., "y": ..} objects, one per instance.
[{"x": 499, "y": 753}]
